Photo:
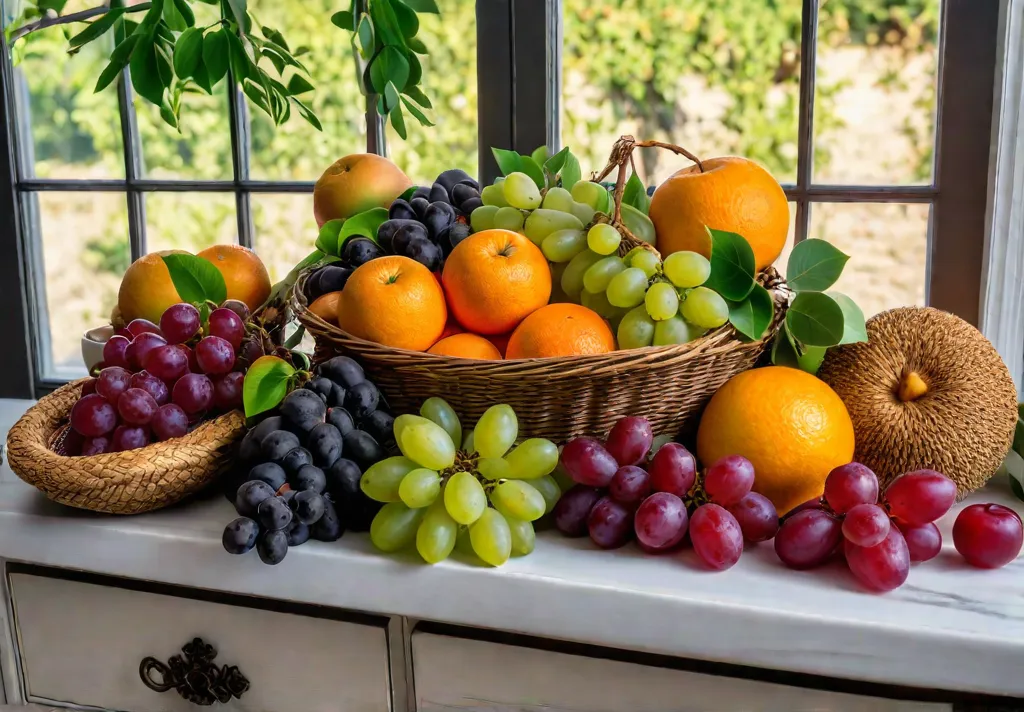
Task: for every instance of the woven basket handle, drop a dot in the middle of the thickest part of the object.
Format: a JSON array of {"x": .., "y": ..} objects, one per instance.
[{"x": 621, "y": 157}]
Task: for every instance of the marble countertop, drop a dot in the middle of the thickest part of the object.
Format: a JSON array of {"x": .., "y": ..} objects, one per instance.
[{"x": 949, "y": 627}]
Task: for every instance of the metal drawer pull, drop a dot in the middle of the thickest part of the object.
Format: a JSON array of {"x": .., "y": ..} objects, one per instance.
[{"x": 194, "y": 675}]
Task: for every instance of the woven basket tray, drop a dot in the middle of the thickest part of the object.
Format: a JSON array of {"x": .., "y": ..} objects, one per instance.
[{"x": 129, "y": 482}]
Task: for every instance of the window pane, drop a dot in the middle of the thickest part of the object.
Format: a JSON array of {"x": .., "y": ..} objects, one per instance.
[
  {"x": 83, "y": 252},
  {"x": 285, "y": 231},
  {"x": 190, "y": 221},
  {"x": 297, "y": 151},
  {"x": 706, "y": 76},
  {"x": 874, "y": 115},
  {"x": 888, "y": 249},
  {"x": 449, "y": 81},
  {"x": 780, "y": 263}
]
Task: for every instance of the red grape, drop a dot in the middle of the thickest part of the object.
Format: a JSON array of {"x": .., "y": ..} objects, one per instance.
[
  {"x": 815, "y": 503},
  {"x": 849, "y": 485},
  {"x": 215, "y": 355},
  {"x": 193, "y": 392},
  {"x": 673, "y": 469},
  {"x": 140, "y": 347},
  {"x": 95, "y": 446},
  {"x": 129, "y": 437},
  {"x": 93, "y": 415},
  {"x": 238, "y": 307},
  {"x": 924, "y": 541},
  {"x": 142, "y": 326},
  {"x": 757, "y": 517},
  {"x": 716, "y": 536},
  {"x": 988, "y": 535},
  {"x": 190, "y": 355},
  {"x": 920, "y": 497},
  {"x": 882, "y": 567},
  {"x": 660, "y": 521},
  {"x": 114, "y": 351},
  {"x": 610, "y": 524},
  {"x": 179, "y": 323},
  {"x": 729, "y": 479},
  {"x": 227, "y": 391},
  {"x": 587, "y": 462},
  {"x": 112, "y": 382},
  {"x": 807, "y": 538},
  {"x": 629, "y": 441},
  {"x": 168, "y": 363},
  {"x": 88, "y": 386},
  {"x": 226, "y": 324},
  {"x": 866, "y": 525},
  {"x": 169, "y": 421},
  {"x": 573, "y": 508},
  {"x": 152, "y": 385},
  {"x": 630, "y": 485},
  {"x": 136, "y": 406}
]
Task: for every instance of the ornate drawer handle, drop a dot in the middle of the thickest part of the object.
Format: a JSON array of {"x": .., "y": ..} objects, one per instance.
[{"x": 194, "y": 675}]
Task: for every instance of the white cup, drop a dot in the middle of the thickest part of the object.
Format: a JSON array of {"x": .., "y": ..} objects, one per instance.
[{"x": 92, "y": 344}]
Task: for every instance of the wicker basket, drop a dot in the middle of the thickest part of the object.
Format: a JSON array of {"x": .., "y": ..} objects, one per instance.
[
  {"x": 561, "y": 398},
  {"x": 129, "y": 482}
]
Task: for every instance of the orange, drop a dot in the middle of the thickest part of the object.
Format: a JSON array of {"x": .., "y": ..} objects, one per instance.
[
  {"x": 244, "y": 273},
  {"x": 146, "y": 288},
  {"x": 451, "y": 328},
  {"x": 495, "y": 279},
  {"x": 466, "y": 346},
  {"x": 357, "y": 183},
  {"x": 394, "y": 301},
  {"x": 326, "y": 306},
  {"x": 732, "y": 194},
  {"x": 500, "y": 342},
  {"x": 561, "y": 330},
  {"x": 788, "y": 423}
]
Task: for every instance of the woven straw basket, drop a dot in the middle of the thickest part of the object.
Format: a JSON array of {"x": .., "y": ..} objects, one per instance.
[{"x": 129, "y": 482}]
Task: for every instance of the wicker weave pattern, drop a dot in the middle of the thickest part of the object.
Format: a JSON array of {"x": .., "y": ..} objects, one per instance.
[{"x": 128, "y": 482}]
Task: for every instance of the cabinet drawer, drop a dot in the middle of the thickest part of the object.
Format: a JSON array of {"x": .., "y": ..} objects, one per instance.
[
  {"x": 82, "y": 643},
  {"x": 458, "y": 674}
]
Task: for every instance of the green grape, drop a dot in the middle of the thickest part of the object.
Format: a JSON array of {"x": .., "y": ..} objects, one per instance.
[
  {"x": 494, "y": 468},
  {"x": 519, "y": 499},
  {"x": 464, "y": 498},
  {"x": 687, "y": 269},
  {"x": 599, "y": 303},
  {"x": 572, "y": 278},
  {"x": 532, "y": 458},
  {"x": 524, "y": 538},
  {"x": 493, "y": 195},
  {"x": 584, "y": 212},
  {"x": 558, "y": 199},
  {"x": 509, "y": 219},
  {"x": 467, "y": 443},
  {"x": 549, "y": 490},
  {"x": 562, "y": 478},
  {"x": 483, "y": 217},
  {"x": 426, "y": 443},
  {"x": 603, "y": 239},
  {"x": 521, "y": 192},
  {"x": 645, "y": 260},
  {"x": 436, "y": 535},
  {"x": 382, "y": 480},
  {"x": 596, "y": 279},
  {"x": 674, "y": 331},
  {"x": 420, "y": 488},
  {"x": 662, "y": 301},
  {"x": 437, "y": 410},
  {"x": 491, "y": 538},
  {"x": 557, "y": 295},
  {"x": 563, "y": 245},
  {"x": 636, "y": 329},
  {"x": 394, "y": 527},
  {"x": 463, "y": 545},
  {"x": 627, "y": 288},
  {"x": 593, "y": 194},
  {"x": 705, "y": 308},
  {"x": 542, "y": 223},
  {"x": 496, "y": 430},
  {"x": 638, "y": 224}
]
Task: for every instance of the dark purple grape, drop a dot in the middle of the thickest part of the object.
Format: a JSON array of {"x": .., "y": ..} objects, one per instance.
[
  {"x": 360, "y": 250},
  {"x": 407, "y": 234},
  {"x": 324, "y": 442},
  {"x": 226, "y": 324},
  {"x": 361, "y": 448},
  {"x": 462, "y": 192},
  {"x": 168, "y": 363},
  {"x": 610, "y": 524},
  {"x": 321, "y": 386},
  {"x": 215, "y": 355},
  {"x": 329, "y": 527},
  {"x": 362, "y": 399},
  {"x": 294, "y": 459},
  {"x": 136, "y": 407},
  {"x": 179, "y": 323},
  {"x": 227, "y": 391},
  {"x": 94, "y": 446},
  {"x": 274, "y": 514},
  {"x": 272, "y": 547},
  {"x": 422, "y": 191},
  {"x": 427, "y": 253},
  {"x": 193, "y": 392},
  {"x": 169, "y": 421},
  {"x": 453, "y": 177},
  {"x": 420, "y": 204},
  {"x": 342, "y": 420},
  {"x": 470, "y": 205},
  {"x": 343, "y": 479},
  {"x": 152, "y": 385},
  {"x": 308, "y": 506},
  {"x": 297, "y": 532},
  {"x": 269, "y": 472},
  {"x": 112, "y": 382},
  {"x": 267, "y": 426},
  {"x": 573, "y": 508},
  {"x": 276, "y": 445},
  {"x": 342, "y": 370},
  {"x": 401, "y": 210},
  {"x": 251, "y": 495},
  {"x": 309, "y": 477},
  {"x": 438, "y": 193},
  {"x": 93, "y": 416},
  {"x": 238, "y": 307},
  {"x": 456, "y": 234},
  {"x": 129, "y": 437},
  {"x": 438, "y": 217},
  {"x": 240, "y": 536},
  {"x": 303, "y": 410},
  {"x": 381, "y": 425},
  {"x": 333, "y": 278}
]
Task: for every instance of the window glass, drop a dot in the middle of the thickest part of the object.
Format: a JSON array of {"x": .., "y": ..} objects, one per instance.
[
  {"x": 285, "y": 231},
  {"x": 190, "y": 221}
]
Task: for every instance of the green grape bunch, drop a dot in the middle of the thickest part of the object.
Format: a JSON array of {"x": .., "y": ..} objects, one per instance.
[{"x": 488, "y": 491}]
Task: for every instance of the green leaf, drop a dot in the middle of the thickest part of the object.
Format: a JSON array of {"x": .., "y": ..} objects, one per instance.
[
  {"x": 390, "y": 96},
  {"x": 571, "y": 172},
  {"x": 784, "y": 353},
  {"x": 854, "y": 328},
  {"x": 419, "y": 97},
  {"x": 540, "y": 155},
  {"x": 239, "y": 8},
  {"x": 327, "y": 240},
  {"x": 163, "y": 65},
  {"x": 531, "y": 168},
  {"x": 298, "y": 84},
  {"x": 266, "y": 384},
  {"x": 274, "y": 36},
  {"x": 398, "y": 121},
  {"x": 416, "y": 45},
  {"x": 186, "y": 12},
  {"x": 258, "y": 96},
  {"x": 1018, "y": 437},
  {"x": 407, "y": 195},
  {"x": 239, "y": 60},
  {"x": 385, "y": 22},
  {"x": 753, "y": 315},
  {"x": 196, "y": 280},
  {"x": 173, "y": 17},
  {"x": 390, "y": 65},
  {"x": 344, "y": 20},
  {"x": 815, "y": 319},
  {"x": 188, "y": 52},
  {"x": 732, "y": 265},
  {"x": 215, "y": 54},
  {"x": 415, "y": 111},
  {"x": 814, "y": 266},
  {"x": 365, "y": 35},
  {"x": 554, "y": 164},
  {"x": 97, "y": 28},
  {"x": 363, "y": 224},
  {"x": 407, "y": 20},
  {"x": 415, "y": 69},
  {"x": 636, "y": 194},
  {"x": 118, "y": 61},
  {"x": 423, "y": 6},
  {"x": 508, "y": 161},
  {"x": 168, "y": 116},
  {"x": 145, "y": 70}
]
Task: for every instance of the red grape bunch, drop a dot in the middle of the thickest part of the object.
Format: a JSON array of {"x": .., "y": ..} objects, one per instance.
[
  {"x": 158, "y": 380},
  {"x": 616, "y": 499}
]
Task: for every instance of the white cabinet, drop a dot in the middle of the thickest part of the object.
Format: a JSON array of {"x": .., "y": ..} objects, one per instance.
[
  {"x": 82, "y": 643},
  {"x": 458, "y": 674}
]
